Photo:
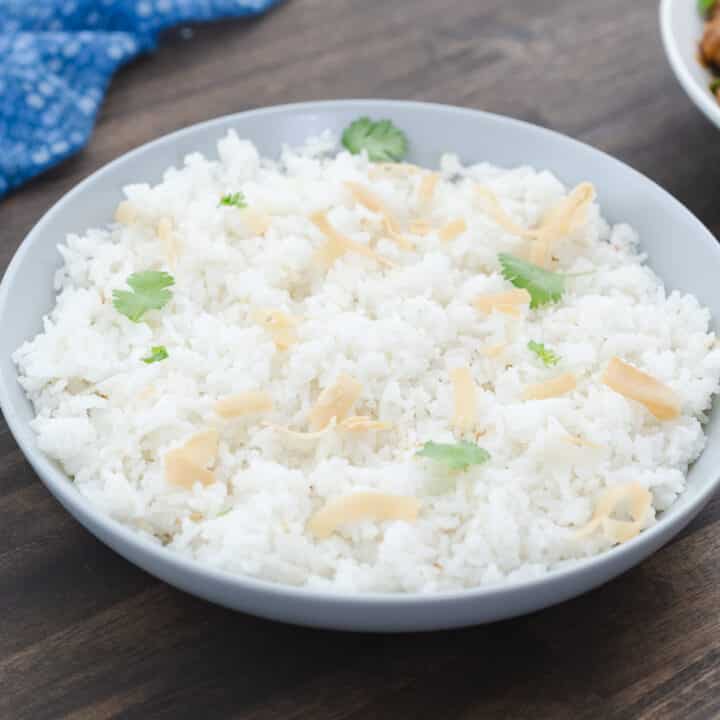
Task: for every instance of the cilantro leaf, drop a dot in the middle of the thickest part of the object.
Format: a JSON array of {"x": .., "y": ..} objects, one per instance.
[
  {"x": 381, "y": 139},
  {"x": 457, "y": 457},
  {"x": 706, "y": 6},
  {"x": 148, "y": 293},
  {"x": 157, "y": 353},
  {"x": 543, "y": 285},
  {"x": 548, "y": 357},
  {"x": 236, "y": 199}
]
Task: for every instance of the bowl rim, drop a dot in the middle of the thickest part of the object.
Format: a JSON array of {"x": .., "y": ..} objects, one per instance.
[
  {"x": 82, "y": 509},
  {"x": 698, "y": 93}
]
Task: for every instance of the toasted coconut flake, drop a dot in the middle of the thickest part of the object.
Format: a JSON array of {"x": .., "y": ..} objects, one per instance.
[
  {"x": 338, "y": 244},
  {"x": 189, "y": 463},
  {"x": 355, "y": 423},
  {"x": 380, "y": 171},
  {"x": 558, "y": 222},
  {"x": 126, "y": 213},
  {"x": 202, "y": 448},
  {"x": 252, "y": 402},
  {"x": 255, "y": 221},
  {"x": 279, "y": 324},
  {"x": 164, "y": 230},
  {"x": 551, "y": 388},
  {"x": 367, "y": 198},
  {"x": 465, "y": 399},
  {"x": 452, "y": 230},
  {"x": 508, "y": 302},
  {"x": 497, "y": 213},
  {"x": 394, "y": 234},
  {"x": 513, "y": 310},
  {"x": 362, "y": 506},
  {"x": 372, "y": 202},
  {"x": 180, "y": 471},
  {"x": 493, "y": 350},
  {"x": 539, "y": 253},
  {"x": 361, "y": 423},
  {"x": 657, "y": 397},
  {"x": 335, "y": 401},
  {"x": 426, "y": 190},
  {"x": 634, "y": 497},
  {"x": 568, "y": 214},
  {"x": 420, "y": 227},
  {"x": 299, "y": 434},
  {"x": 335, "y": 246}
]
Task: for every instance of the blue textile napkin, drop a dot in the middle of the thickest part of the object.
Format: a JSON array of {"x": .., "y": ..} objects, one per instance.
[{"x": 56, "y": 58}]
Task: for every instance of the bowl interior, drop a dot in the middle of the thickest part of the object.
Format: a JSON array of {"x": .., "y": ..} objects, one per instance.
[
  {"x": 679, "y": 248},
  {"x": 682, "y": 27}
]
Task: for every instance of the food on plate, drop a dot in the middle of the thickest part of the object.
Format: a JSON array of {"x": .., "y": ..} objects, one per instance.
[
  {"x": 340, "y": 370},
  {"x": 710, "y": 42}
]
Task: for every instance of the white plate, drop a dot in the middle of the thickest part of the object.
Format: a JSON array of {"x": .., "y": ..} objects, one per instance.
[
  {"x": 26, "y": 294},
  {"x": 681, "y": 26}
]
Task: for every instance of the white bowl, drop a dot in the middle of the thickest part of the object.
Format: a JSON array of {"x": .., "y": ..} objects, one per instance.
[
  {"x": 681, "y": 27},
  {"x": 26, "y": 294}
]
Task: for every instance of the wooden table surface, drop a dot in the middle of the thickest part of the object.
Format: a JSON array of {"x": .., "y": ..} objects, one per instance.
[{"x": 84, "y": 634}]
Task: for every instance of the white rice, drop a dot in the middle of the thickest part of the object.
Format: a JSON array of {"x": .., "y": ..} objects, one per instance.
[{"x": 108, "y": 418}]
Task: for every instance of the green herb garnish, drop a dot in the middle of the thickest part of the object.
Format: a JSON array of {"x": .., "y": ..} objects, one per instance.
[
  {"x": 157, "y": 353},
  {"x": 543, "y": 285},
  {"x": 382, "y": 140},
  {"x": 548, "y": 357},
  {"x": 706, "y": 6},
  {"x": 456, "y": 457},
  {"x": 715, "y": 85},
  {"x": 236, "y": 199},
  {"x": 149, "y": 292}
]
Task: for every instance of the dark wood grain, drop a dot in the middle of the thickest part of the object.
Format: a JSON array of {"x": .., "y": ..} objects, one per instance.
[{"x": 84, "y": 634}]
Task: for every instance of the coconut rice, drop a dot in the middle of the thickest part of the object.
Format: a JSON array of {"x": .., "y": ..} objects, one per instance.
[{"x": 266, "y": 310}]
